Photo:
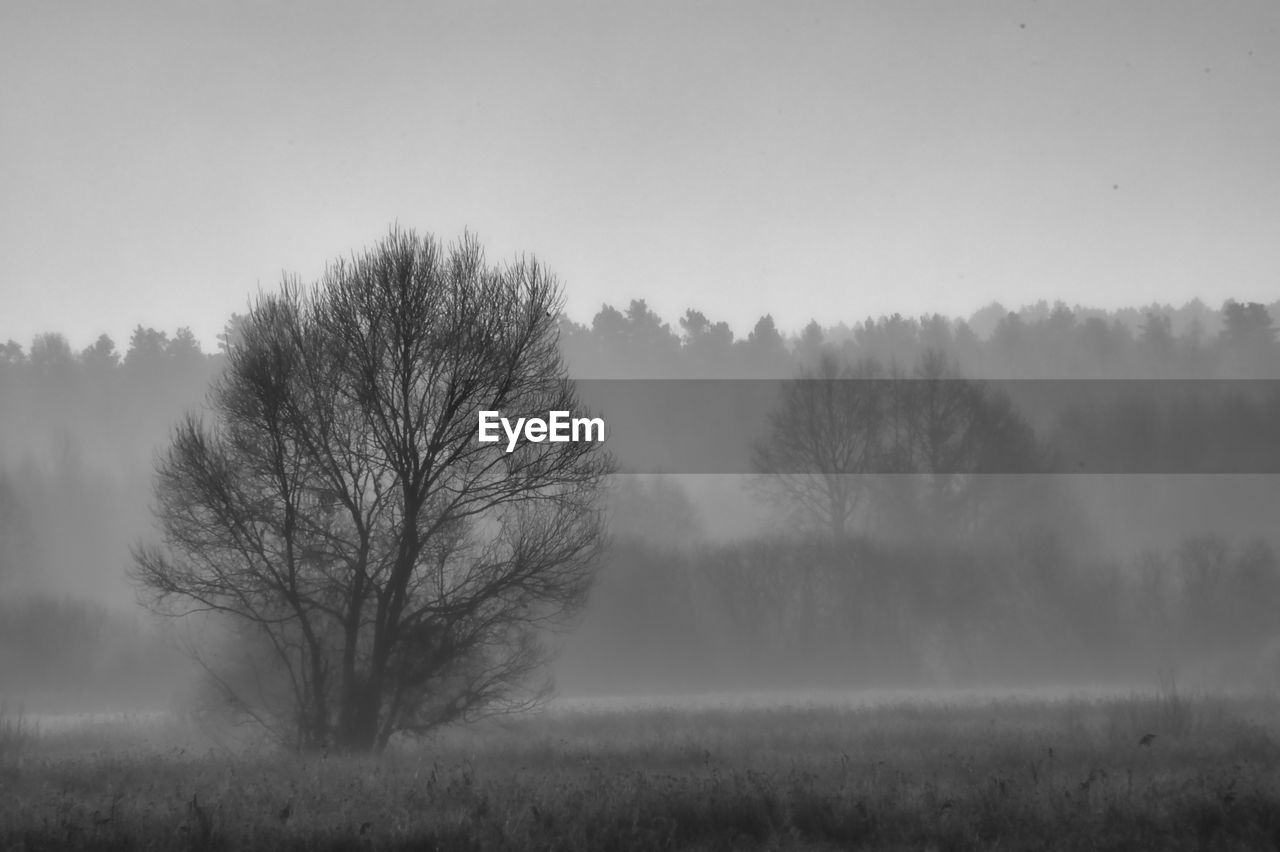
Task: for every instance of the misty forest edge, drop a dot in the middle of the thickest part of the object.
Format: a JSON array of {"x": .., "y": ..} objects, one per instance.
[{"x": 52, "y": 381}]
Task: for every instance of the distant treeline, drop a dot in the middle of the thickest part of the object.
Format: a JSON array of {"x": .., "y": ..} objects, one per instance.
[
  {"x": 1042, "y": 341},
  {"x": 1012, "y": 582},
  {"x": 1023, "y": 593},
  {"x": 116, "y": 408},
  {"x": 96, "y": 417},
  {"x": 791, "y": 612},
  {"x": 64, "y": 655},
  {"x": 1039, "y": 342}
]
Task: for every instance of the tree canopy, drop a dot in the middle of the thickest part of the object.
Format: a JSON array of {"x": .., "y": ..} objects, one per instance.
[{"x": 390, "y": 570}]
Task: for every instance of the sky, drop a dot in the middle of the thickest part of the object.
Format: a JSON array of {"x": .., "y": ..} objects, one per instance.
[{"x": 160, "y": 163}]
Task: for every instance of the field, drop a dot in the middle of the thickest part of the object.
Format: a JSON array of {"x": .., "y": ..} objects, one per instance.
[{"x": 1061, "y": 773}]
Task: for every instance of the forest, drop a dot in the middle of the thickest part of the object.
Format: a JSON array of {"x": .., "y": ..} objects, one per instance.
[{"x": 1160, "y": 557}]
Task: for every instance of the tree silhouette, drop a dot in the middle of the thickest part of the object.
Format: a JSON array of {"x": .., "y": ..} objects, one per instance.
[
  {"x": 100, "y": 356},
  {"x": 340, "y": 509},
  {"x": 843, "y": 435},
  {"x": 825, "y": 433},
  {"x": 1248, "y": 339},
  {"x": 11, "y": 353}
]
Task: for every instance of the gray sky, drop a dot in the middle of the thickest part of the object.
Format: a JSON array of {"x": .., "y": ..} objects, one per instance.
[{"x": 159, "y": 162}]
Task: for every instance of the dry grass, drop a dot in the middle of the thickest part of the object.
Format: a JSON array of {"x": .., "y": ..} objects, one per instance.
[{"x": 1047, "y": 775}]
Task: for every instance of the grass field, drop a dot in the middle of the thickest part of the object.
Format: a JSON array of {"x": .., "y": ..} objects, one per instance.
[{"x": 1042, "y": 774}]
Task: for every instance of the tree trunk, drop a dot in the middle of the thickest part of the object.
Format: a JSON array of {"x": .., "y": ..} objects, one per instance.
[{"x": 357, "y": 728}]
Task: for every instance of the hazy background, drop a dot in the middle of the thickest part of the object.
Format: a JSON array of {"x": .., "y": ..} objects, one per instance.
[
  {"x": 825, "y": 160},
  {"x": 1035, "y": 576},
  {"x": 727, "y": 191}
]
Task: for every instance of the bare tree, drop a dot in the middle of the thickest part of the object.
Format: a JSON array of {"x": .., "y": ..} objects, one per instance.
[
  {"x": 951, "y": 441},
  {"x": 913, "y": 449},
  {"x": 825, "y": 433},
  {"x": 396, "y": 572}
]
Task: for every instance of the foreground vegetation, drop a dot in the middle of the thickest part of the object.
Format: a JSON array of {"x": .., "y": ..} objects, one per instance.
[{"x": 1057, "y": 775}]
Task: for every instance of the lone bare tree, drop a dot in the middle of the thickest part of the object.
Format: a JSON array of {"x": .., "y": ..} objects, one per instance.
[{"x": 397, "y": 573}]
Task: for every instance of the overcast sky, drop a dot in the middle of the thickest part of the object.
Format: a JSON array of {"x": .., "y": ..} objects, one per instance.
[{"x": 160, "y": 162}]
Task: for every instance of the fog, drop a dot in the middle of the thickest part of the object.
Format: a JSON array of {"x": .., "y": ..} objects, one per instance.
[
  {"x": 930, "y": 358},
  {"x": 1132, "y": 538}
]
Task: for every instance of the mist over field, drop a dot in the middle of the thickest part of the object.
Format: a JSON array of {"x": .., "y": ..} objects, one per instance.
[
  {"x": 1083, "y": 641},
  {"x": 1055, "y": 575},
  {"x": 936, "y": 351}
]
